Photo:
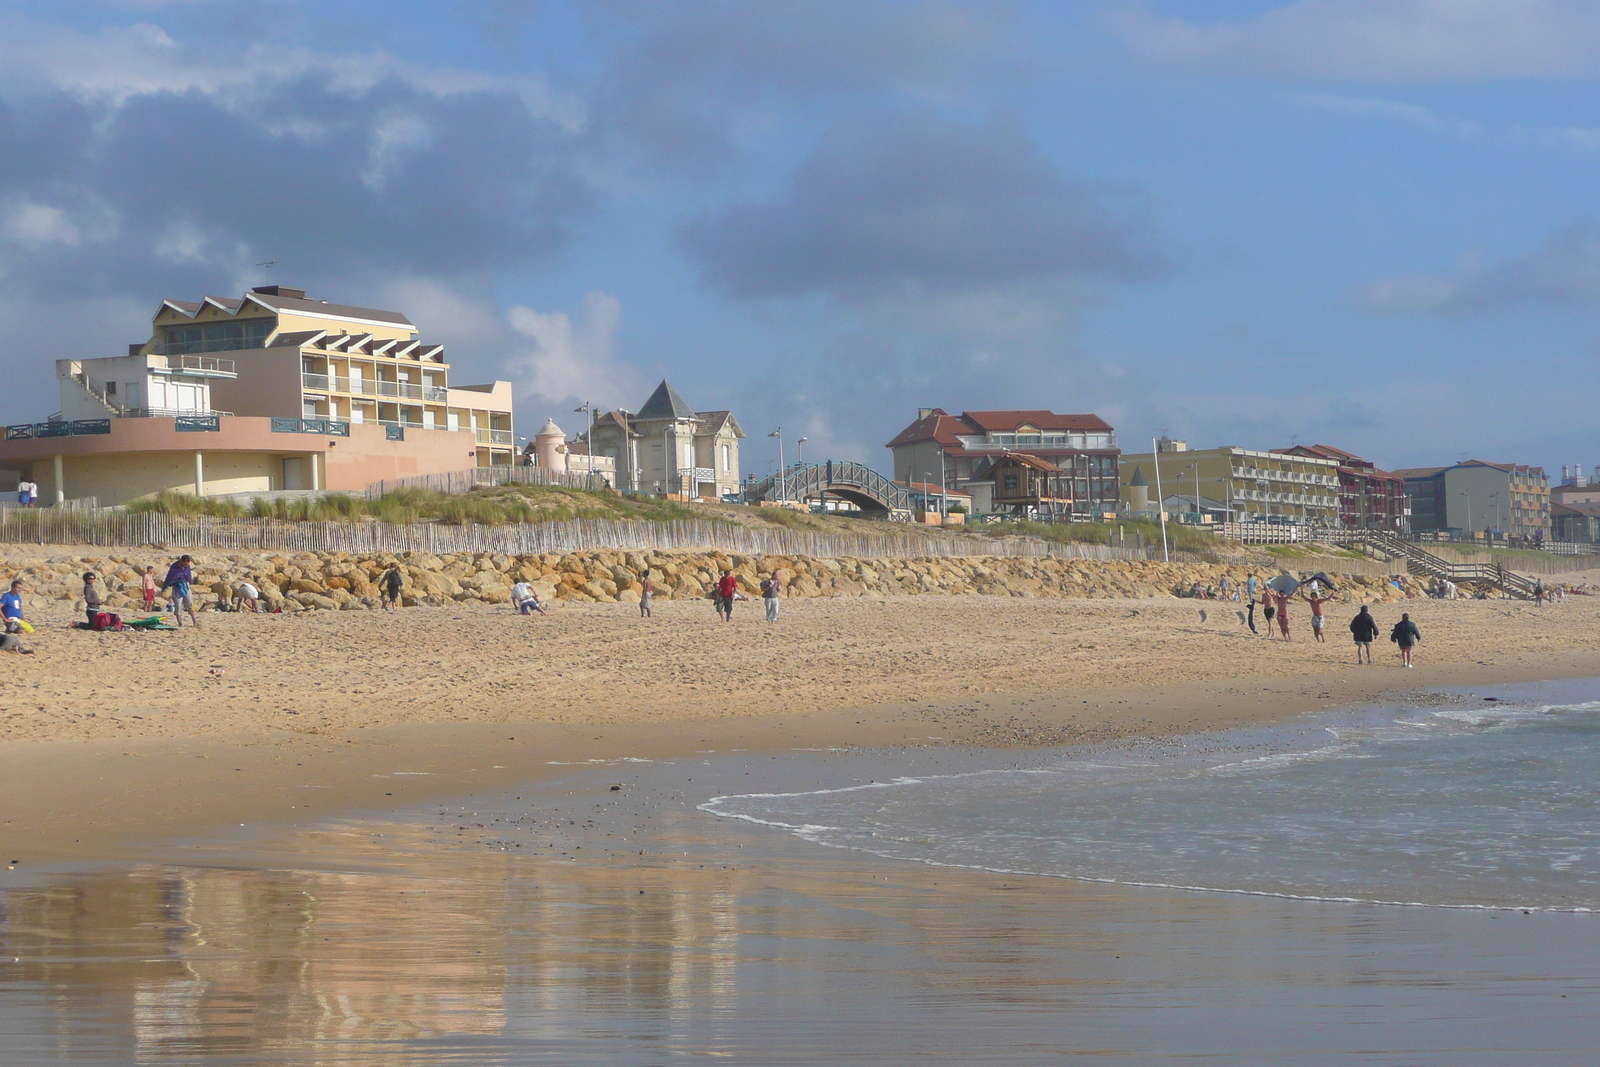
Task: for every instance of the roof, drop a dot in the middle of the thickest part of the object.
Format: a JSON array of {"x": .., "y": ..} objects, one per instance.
[
  {"x": 551, "y": 429},
  {"x": 930, "y": 489},
  {"x": 1577, "y": 508},
  {"x": 618, "y": 420},
  {"x": 713, "y": 422},
  {"x": 297, "y": 338},
  {"x": 947, "y": 429},
  {"x": 291, "y": 304},
  {"x": 665, "y": 403},
  {"x": 1138, "y": 478},
  {"x": 1417, "y": 473},
  {"x": 1025, "y": 460},
  {"x": 1414, "y": 473}
]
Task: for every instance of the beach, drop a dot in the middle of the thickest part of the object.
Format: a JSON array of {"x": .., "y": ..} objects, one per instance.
[{"x": 112, "y": 740}]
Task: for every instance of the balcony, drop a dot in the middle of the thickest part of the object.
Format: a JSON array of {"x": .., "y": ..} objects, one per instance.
[
  {"x": 200, "y": 366},
  {"x": 493, "y": 437},
  {"x": 323, "y": 383},
  {"x": 188, "y": 348}
]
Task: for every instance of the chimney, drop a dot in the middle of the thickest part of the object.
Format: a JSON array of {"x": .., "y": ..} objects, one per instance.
[
  {"x": 280, "y": 290},
  {"x": 1564, "y": 476}
]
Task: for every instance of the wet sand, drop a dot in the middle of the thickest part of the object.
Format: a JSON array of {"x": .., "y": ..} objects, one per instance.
[
  {"x": 110, "y": 742},
  {"x": 583, "y": 926}
]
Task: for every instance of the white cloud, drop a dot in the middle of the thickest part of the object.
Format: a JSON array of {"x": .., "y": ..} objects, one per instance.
[
  {"x": 565, "y": 360},
  {"x": 1564, "y": 270},
  {"x": 1378, "y": 41},
  {"x": 1415, "y": 115},
  {"x": 34, "y": 226}
]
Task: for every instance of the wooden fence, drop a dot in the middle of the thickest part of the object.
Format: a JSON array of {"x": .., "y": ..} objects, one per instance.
[
  {"x": 109, "y": 528},
  {"x": 463, "y": 481}
]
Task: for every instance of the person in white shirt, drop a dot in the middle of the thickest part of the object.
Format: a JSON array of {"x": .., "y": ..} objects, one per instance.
[
  {"x": 526, "y": 600},
  {"x": 244, "y": 593},
  {"x": 27, "y": 494}
]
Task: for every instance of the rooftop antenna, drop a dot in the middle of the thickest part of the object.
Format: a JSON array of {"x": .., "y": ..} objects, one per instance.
[{"x": 267, "y": 270}]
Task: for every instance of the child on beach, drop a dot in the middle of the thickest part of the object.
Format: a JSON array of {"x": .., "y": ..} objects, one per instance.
[
  {"x": 149, "y": 581},
  {"x": 647, "y": 587}
]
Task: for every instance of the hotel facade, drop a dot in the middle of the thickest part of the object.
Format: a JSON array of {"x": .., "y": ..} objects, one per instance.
[{"x": 269, "y": 391}]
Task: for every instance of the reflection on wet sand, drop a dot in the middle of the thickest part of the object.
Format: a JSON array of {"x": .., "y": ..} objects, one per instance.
[{"x": 423, "y": 954}]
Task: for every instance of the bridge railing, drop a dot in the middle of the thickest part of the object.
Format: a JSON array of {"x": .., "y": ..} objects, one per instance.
[{"x": 814, "y": 478}]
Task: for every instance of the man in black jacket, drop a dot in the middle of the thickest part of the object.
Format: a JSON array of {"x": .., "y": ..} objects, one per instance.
[
  {"x": 1406, "y": 635},
  {"x": 1365, "y": 629}
]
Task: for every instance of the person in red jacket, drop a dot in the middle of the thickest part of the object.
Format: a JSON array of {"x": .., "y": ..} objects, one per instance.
[{"x": 727, "y": 593}]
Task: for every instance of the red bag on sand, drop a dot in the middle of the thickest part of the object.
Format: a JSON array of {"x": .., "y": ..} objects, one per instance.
[{"x": 106, "y": 620}]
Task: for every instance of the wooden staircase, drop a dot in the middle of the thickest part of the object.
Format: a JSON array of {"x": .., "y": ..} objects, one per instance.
[{"x": 1420, "y": 561}]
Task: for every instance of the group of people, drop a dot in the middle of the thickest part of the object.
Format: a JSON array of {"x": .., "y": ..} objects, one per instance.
[
  {"x": 1274, "y": 605},
  {"x": 723, "y": 596},
  {"x": 27, "y": 494}
]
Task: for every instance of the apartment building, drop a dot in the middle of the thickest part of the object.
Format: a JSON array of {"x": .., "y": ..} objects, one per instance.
[
  {"x": 1369, "y": 498},
  {"x": 961, "y": 451},
  {"x": 269, "y": 391},
  {"x": 1502, "y": 499},
  {"x": 1246, "y": 485}
]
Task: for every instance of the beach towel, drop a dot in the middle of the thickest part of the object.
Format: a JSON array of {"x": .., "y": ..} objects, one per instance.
[
  {"x": 1323, "y": 578},
  {"x": 1284, "y": 583},
  {"x": 154, "y": 622}
]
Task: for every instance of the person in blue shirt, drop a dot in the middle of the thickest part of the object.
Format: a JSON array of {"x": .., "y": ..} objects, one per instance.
[
  {"x": 180, "y": 579},
  {"x": 11, "y": 607}
]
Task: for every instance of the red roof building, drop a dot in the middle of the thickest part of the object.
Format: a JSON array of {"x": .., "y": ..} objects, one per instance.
[
  {"x": 963, "y": 448},
  {"x": 1369, "y": 498}
]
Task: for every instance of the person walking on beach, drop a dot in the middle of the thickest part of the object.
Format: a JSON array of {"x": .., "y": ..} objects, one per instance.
[
  {"x": 1281, "y": 600},
  {"x": 92, "y": 600},
  {"x": 727, "y": 593},
  {"x": 180, "y": 579},
  {"x": 11, "y": 607},
  {"x": 389, "y": 584},
  {"x": 1364, "y": 628},
  {"x": 1406, "y": 635},
  {"x": 1317, "y": 618},
  {"x": 1268, "y": 611},
  {"x": 769, "y": 596},
  {"x": 647, "y": 588},
  {"x": 1538, "y": 592},
  {"x": 148, "y": 584}
]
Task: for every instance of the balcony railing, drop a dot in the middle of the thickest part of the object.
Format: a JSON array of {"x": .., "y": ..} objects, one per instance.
[
  {"x": 493, "y": 437},
  {"x": 324, "y": 383},
  {"x": 62, "y": 428},
  {"x": 205, "y": 365},
  {"x": 327, "y": 427},
  {"x": 186, "y": 348}
]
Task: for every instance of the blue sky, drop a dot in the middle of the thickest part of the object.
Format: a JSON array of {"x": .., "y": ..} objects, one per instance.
[{"x": 1370, "y": 223}]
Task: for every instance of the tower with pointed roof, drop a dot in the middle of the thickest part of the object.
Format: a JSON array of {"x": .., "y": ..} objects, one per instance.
[{"x": 669, "y": 447}]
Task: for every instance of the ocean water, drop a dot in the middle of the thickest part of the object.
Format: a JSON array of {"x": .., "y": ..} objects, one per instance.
[{"x": 1487, "y": 799}]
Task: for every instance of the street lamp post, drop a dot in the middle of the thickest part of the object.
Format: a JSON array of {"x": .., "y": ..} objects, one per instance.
[
  {"x": 783, "y": 489},
  {"x": 1161, "y": 500},
  {"x": 588, "y": 409}
]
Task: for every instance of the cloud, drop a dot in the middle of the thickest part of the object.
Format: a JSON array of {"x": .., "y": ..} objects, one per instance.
[
  {"x": 687, "y": 75},
  {"x": 567, "y": 361},
  {"x": 910, "y": 205},
  {"x": 1563, "y": 271},
  {"x": 1414, "y": 115},
  {"x": 1377, "y": 41}
]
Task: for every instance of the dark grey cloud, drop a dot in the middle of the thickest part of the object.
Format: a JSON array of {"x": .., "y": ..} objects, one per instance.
[
  {"x": 913, "y": 204},
  {"x": 685, "y": 73},
  {"x": 1563, "y": 271}
]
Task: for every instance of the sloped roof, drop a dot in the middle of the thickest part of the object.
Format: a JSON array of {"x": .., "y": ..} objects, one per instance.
[
  {"x": 665, "y": 403},
  {"x": 274, "y": 302},
  {"x": 1138, "y": 478},
  {"x": 712, "y": 422},
  {"x": 946, "y": 429},
  {"x": 1411, "y": 473},
  {"x": 930, "y": 489}
]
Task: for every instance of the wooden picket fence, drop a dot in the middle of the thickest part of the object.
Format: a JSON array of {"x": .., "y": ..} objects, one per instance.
[
  {"x": 464, "y": 481},
  {"x": 109, "y": 528}
]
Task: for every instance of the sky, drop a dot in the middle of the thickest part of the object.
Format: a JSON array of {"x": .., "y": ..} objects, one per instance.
[{"x": 1367, "y": 223}]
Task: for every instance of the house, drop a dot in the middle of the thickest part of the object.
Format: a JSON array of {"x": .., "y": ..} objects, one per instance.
[
  {"x": 1235, "y": 484},
  {"x": 1502, "y": 499},
  {"x": 1027, "y": 486},
  {"x": 961, "y": 449},
  {"x": 1575, "y": 522},
  {"x": 1369, "y": 498},
  {"x": 1576, "y": 488},
  {"x": 931, "y": 496},
  {"x": 668, "y": 447},
  {"x": 269, "y": 391}
]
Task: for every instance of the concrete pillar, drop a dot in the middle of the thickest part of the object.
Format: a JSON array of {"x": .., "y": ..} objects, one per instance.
[
  {"x": 199, "y": 475},
  {"x": 61, "y": 482},
  {"x": 316, "y": 471}
]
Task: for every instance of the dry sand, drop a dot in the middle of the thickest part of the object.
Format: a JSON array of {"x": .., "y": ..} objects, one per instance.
[{"x": 107, "y": 740}]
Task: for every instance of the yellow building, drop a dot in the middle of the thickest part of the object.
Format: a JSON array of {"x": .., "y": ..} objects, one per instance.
[
  {"x": 1237, "y": 484},
  {"x": 310, "y": 359}
]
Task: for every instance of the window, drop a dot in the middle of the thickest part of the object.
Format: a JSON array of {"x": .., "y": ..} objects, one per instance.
[
  {"x": 727, "y": 458},
  {"x": 217, "y": 336},
  {"x": 1011, "y": 481}
]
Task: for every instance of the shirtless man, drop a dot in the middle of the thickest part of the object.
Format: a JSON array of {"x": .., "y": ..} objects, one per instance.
[
  {"x": 1317, "y": 619},
  {"x": 1281, "y": 600}
]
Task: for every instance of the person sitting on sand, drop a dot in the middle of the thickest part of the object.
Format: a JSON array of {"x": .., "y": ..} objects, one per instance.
[
  {"x": 92, "y": 600},
  {"x": 246, "y": 597},
  {"x": 389, "y": 586},
  {"x": 526, "y": 600},
  {"x": 13, "y": 643},
  {"x": 1406, "y": 635},
  {"x": 1364, "y": 628},
  {"x": 11, "y": 607}
]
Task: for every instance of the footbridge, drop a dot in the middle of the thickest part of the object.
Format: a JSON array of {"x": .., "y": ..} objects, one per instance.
[{"x": 843, "y": 480}]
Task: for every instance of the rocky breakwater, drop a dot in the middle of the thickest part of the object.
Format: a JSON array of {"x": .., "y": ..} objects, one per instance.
[{"x": 337, "y": 581}]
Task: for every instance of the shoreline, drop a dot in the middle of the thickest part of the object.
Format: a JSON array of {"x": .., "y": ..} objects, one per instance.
[{"x": 70, "y": 801}]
